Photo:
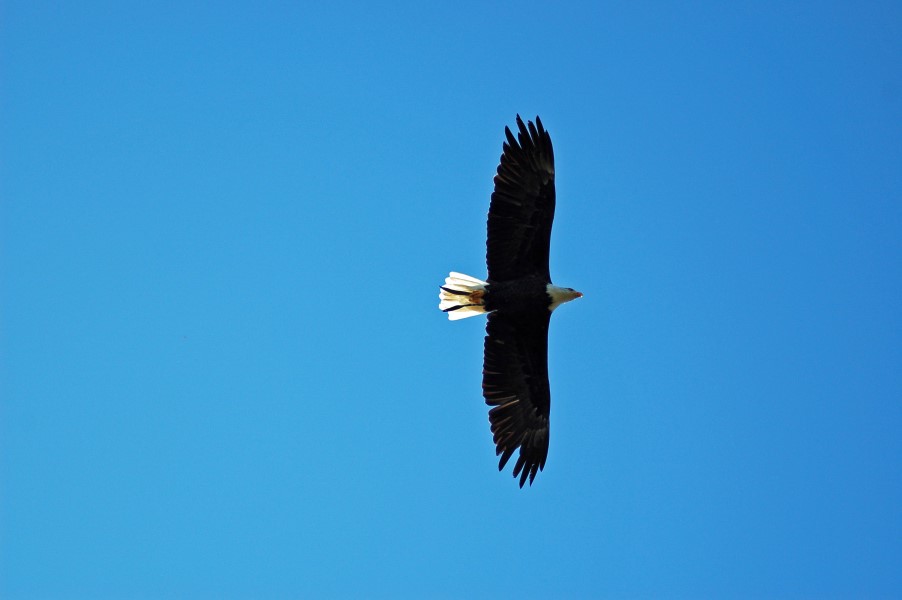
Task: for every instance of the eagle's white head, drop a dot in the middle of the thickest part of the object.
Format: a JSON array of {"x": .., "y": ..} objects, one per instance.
[{"x": 559, "y": 295}]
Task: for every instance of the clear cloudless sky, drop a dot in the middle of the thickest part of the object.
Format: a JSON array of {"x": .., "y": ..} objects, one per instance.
[{"x": 223, "y": 373}]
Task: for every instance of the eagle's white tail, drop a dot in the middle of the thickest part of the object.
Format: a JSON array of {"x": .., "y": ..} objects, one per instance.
[{"x": 462, "y": 296}]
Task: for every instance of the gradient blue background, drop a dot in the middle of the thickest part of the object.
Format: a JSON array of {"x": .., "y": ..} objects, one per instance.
[{"x": 224, "y": 374}]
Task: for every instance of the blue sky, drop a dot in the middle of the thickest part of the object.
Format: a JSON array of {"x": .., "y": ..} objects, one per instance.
[{"x": 223, "y": 373}]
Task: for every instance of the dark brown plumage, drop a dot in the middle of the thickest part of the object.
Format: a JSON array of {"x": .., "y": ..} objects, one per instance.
[{"x": 519, "y": 298}]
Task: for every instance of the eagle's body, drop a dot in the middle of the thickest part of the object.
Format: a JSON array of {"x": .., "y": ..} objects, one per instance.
[{"x": 518, "y": 297}]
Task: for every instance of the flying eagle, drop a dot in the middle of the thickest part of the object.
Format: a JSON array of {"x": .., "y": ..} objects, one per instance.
[{"x": 518, "y": 297}]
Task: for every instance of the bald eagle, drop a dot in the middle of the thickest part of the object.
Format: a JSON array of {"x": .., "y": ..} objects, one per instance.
[{"x": 518, "y": 297}]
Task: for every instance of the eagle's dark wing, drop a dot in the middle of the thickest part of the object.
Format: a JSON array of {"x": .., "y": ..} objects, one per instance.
[
  {"x": 522, "y": 207},
  {"x": 515, "y": 384}
]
